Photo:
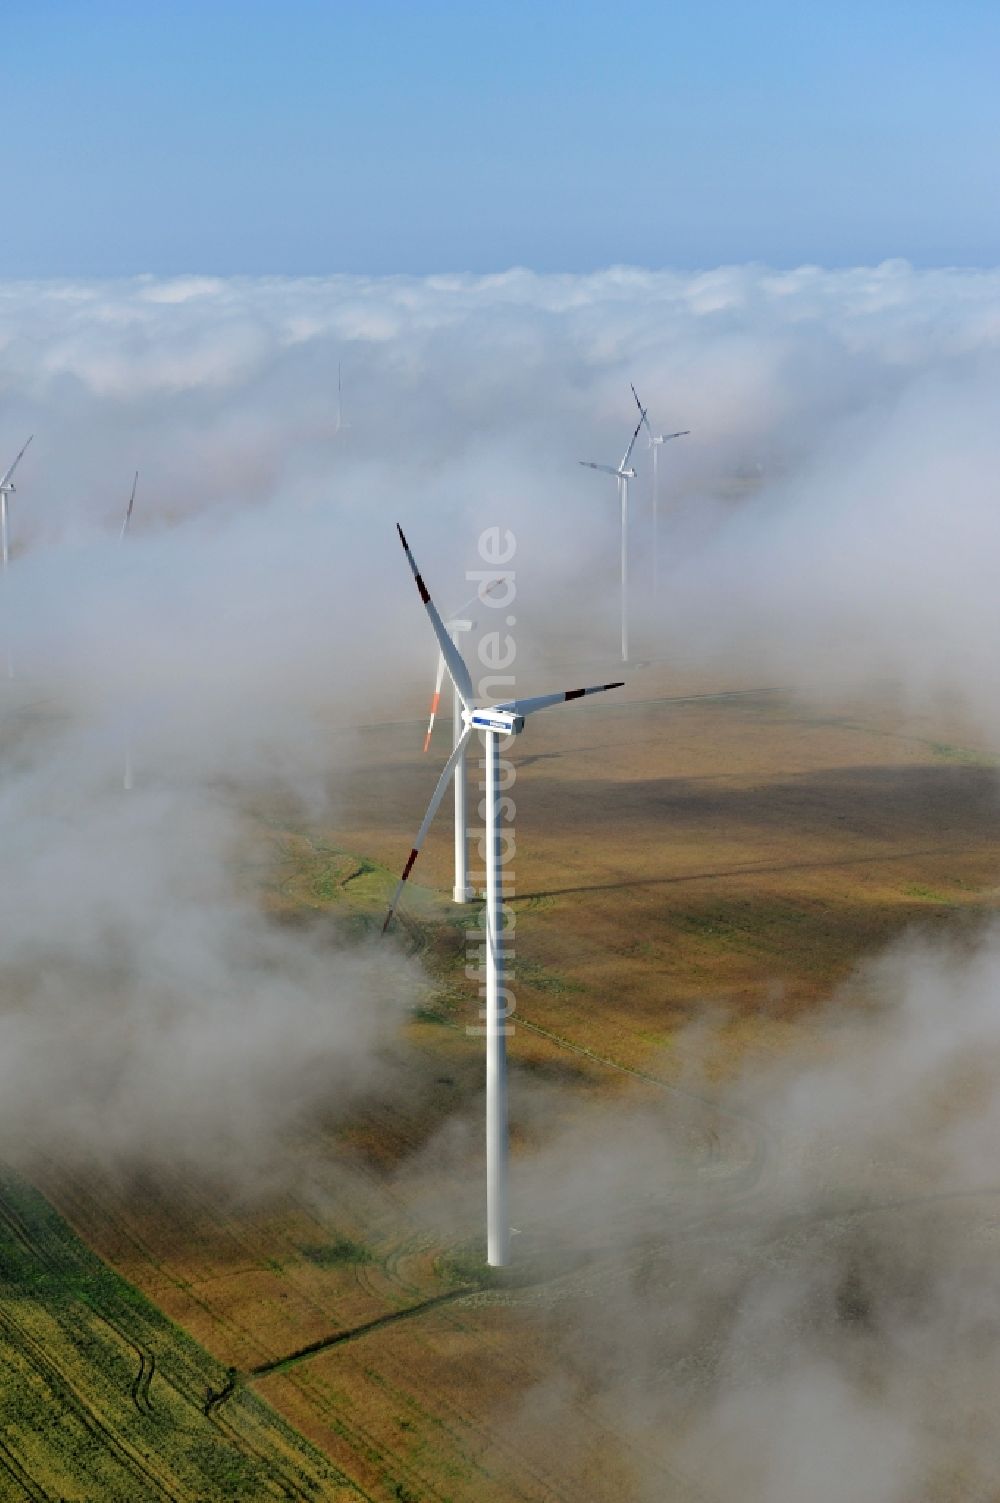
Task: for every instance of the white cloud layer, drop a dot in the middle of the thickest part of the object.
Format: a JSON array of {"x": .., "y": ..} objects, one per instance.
[{"x": 831, "y": 515}]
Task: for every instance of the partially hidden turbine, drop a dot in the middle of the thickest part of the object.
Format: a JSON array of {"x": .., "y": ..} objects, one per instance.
[
  {"x": 656, "y": 442},
  {"x": 340, "y": 402},
  {"x": 623, "y": 474},
  {"x": 496, "y": 722},
  {"x": 126, "y": 522},
  {"x": 7, "y": 489}
]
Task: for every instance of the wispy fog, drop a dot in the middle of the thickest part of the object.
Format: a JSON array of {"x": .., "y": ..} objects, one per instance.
[{"x": 816, "y": 1313}]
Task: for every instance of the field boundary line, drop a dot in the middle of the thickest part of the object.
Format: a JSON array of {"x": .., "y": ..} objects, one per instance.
[{"x": 352, "y": 1333}]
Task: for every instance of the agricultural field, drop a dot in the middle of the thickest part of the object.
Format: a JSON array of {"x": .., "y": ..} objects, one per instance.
[
  {"x": 103, "y": 1397},
  {"x": 699, "y": 868}
]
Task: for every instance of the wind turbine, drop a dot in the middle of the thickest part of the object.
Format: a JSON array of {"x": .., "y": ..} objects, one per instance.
[
  {"x": 127, "y": 775},
  {"x": 7, "y": 488},
  {"x": 656, "y": 442},
  {"x": 623, "y": 474},
  {"x": 128, "y": 510},
  {"x": 461, "y": 892},
  {"x": 340, "y": 401},
  {"x": 496, "y": 722}
]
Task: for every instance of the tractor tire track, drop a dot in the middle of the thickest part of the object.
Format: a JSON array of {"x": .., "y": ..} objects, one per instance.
[
  {"x": 65, "y": 1391},
  {"x": 144, "y": 1396},
  {"x": 147, "y": 1358},
  {"x": 140, "y": 1385},
  {"x": 283, "y": 1483},
  {"x": 29, "y": 1488},
  {"x": 286, "y": 1484}
]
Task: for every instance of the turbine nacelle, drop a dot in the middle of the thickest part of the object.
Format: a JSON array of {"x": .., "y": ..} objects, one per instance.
[{"x": 499, "y": 722}]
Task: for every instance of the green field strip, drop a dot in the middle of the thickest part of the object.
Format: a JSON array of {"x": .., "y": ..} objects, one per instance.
[{"x": 102, "y": 1397}]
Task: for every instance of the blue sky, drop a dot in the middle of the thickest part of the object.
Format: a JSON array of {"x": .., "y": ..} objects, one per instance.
[{"x": 380, "y": 137}]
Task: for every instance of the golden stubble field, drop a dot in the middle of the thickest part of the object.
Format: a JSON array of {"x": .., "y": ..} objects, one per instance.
[{"x": 698, "y": 867}]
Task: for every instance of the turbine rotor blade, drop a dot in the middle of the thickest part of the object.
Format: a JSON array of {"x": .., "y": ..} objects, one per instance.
[
  {"x": 432, "y": 809},
  {"x": 440, "y": 668},
  {"x": 643, "y": 419},
  {"x": 131, "y": 503},
  {"x": 17, "y": 461},
  {"x": 435, "y": 701},
  {"x": 542, "y": 701},
  {"x": 635, "y": 435},
  {"x": 478, "y": 596},
  {"x": 453, "y": 658},
  {"x": 606, "y": 469},
  {"x": 681, "y": 433}
]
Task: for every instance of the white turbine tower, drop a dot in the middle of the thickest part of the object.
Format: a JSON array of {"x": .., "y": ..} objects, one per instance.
[
  {"x": 623, "y": 475},
  {"x": 461, "y": 892},
  {"x": 7, "y": 488},
  {"x": 656, "y": 442},
  {"x": 127, "y": 774},
  {"x": 496, "y": 722},
  {"x": 340, "y": 402}
]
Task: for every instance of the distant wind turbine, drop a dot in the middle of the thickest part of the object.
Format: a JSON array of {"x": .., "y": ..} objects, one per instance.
[
  {"x": 656, "y": 441},
  {"x": 7, "y": 488},
  {"x": 340, "y": 400},
  {"x": 623, "y": 474},
  {"x": 127, "y": 775},
  {"x": 496, "y": 722}
]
